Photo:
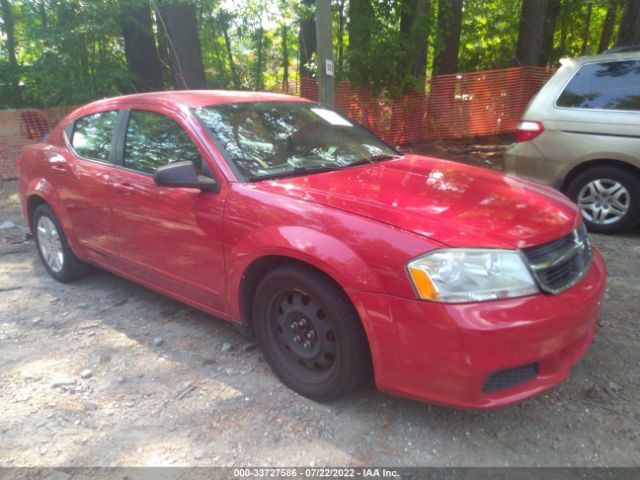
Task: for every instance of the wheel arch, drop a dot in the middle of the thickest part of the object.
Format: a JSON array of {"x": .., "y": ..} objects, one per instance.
[
  {"x": 257, "y": 270},
  {"x": 33, "y": 202},
  {"x": 41, "y": 192},
  {"x": 601, "y": 162},
  {"x": 270, "y": 245}
]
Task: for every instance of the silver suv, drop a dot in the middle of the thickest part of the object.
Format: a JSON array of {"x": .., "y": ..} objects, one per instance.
[{"x": 581, "y": 135}]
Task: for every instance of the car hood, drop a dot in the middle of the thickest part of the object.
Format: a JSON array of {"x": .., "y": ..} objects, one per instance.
[{"x": 452, "y": 203}]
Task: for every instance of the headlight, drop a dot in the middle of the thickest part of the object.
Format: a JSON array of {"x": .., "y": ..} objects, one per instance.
[{"x": 457, "y": 275}]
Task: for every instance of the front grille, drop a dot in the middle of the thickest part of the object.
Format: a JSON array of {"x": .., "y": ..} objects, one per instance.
[
  {"x": 509, "y": 378},
  {"x": 560, "y": 264}
]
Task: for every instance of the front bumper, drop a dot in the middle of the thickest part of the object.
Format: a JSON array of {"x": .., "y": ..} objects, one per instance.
[{"x": 446, "y": 353}]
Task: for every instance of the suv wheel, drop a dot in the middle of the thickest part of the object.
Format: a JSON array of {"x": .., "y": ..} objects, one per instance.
[
  {"x": 310, "y": 333},
  {"x": 53, "y": 248},
  {"x": 608, "y": 198}
]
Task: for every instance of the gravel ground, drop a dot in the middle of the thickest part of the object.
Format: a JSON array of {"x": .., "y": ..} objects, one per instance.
[{"x": 103, "y": 372}]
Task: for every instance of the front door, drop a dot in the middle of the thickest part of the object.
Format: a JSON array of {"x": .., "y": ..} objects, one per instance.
[{"x": 170, "y": 238}]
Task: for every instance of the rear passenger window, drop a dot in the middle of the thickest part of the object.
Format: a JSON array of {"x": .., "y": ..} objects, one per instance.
[
  {"x": 605, "y": 85},
  {"x": 153, "y": 140},
  {"x": 92, "y": 135}
]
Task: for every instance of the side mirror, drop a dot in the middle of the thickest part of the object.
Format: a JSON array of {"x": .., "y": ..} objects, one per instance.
[{"x": 183, "y": 175}]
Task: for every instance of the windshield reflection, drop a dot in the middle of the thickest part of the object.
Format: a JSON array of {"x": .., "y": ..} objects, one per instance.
[{"x": 266, "y": 139}]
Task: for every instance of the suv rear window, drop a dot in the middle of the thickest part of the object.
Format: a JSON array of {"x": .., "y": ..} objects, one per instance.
[{"x": 605, "y": 85}]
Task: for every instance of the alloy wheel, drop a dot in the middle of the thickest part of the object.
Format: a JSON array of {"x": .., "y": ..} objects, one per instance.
[
  {"x": 50, "y": 244},
  {"x": 604, "y": 201}
]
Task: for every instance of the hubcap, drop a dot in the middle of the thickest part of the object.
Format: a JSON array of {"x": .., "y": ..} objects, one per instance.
[
  {"x": 49, "y": 243},
  {"x": 303, "y": 333},
  {"x": 604, "y": 201}
]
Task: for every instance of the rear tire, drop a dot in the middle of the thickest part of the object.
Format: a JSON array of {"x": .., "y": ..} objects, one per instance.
[
  {"x": 310, "y": 333},
  {"x": 608, "y": 198},
  {"x": 53, "y": 247}
]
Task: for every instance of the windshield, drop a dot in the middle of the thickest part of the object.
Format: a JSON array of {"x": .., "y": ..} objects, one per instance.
[{"x": 270, "y": 139}]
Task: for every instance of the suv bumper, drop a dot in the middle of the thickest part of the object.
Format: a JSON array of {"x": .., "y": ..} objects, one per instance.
[
  {"x": 525, "y": 160},
  {"x": 446, "y": 353}
]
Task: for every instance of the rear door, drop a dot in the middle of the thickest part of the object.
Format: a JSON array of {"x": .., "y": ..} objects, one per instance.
[
  {"x": 84, "y": 181},
  {"x": 170, "y": 238}
]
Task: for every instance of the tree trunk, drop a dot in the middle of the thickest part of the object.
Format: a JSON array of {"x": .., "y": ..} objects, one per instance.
[
  {"x": 221, "y": 68},
  {"x": 307, "y": 41},
  {"x": 9, "y": 30},
  {"x": 163, "y": 47},
  {"x": 414, "y": 29},
  {"x": 44, "y": 23},
  {"x": 587, "y": 27},
  {"x": 341, "y": 24},
  {"x": 549, "y": 30},
  {"x": 139, "y": 45},
  {"x": 607, "y": 27},
  {"x": 180, "y": 25},
  {"x": 324, "y": 41},
  {"x": 259, "y": 59},
  {"x": 629, "y": 29},
  {"x": 13, "y": 80},
  {"x": 449, "y": 29},
  {"x": 530, "y": 32},
  {"x": 83, "y": 56},
  {"x": 361, "y": 26},
  {"x": 564, "y": 31},
  {"x": 223, "y": 19},
  {"x": 285, "y": 58}
]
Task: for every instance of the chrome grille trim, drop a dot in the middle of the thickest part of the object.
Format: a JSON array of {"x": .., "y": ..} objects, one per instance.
[{"x": 560, "y": 264}]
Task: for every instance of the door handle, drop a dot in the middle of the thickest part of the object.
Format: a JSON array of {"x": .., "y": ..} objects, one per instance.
[
  {"x": 123, "y": 188},
  {"x": 59, "y": 169}
]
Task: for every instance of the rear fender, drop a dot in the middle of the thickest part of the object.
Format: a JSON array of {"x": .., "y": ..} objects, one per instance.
[{"x": 42, "y": 189}]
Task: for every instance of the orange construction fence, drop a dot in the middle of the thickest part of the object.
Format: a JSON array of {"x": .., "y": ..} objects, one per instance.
[
  {"x": 452, "y": 106},
  {"x": 19, "y": 128}
]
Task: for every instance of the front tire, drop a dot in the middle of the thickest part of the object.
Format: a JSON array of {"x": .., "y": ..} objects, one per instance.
[
  {"x": 608, "y": 198},
  {"x": 53, "y": 248},
  {"x": 310, "y": 333}
]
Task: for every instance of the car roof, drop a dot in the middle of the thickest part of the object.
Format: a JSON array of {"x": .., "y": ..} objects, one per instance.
[
  {"x": 194, "y": 98},
  {"x": 602, "y": 57}
]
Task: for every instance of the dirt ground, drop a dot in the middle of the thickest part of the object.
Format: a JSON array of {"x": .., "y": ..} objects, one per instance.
[{"x": 103, "y": 372}]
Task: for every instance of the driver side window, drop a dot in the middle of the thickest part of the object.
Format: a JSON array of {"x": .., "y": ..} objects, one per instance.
[{"x": 154, "y": 140}]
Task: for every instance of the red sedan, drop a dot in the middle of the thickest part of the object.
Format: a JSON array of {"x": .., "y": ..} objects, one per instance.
[{"x": 348, "y": 261}]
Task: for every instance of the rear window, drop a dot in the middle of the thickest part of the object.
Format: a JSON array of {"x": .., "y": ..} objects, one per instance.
[
  {"x": 92, "y": 135},
  {"x": 605, "y": 85}
]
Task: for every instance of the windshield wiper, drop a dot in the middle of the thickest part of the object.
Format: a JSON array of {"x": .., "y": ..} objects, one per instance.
[
  {"x": 291, "y": 173},
  {"x": 372, "y": 159},
  {"x": 319, "y": 169}
]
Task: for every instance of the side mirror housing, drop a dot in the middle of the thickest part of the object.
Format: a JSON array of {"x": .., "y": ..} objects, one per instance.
[{"x": 183, "y": 175}]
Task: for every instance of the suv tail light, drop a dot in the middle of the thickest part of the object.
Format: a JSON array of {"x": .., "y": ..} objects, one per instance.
[{"x": 528, "y": 130}]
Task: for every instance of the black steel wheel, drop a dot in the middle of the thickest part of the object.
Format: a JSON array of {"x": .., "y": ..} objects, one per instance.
[{"x": 310, "y": 333}]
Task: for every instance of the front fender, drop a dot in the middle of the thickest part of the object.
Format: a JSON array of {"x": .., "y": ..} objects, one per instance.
[{"x": 324, "y": 252}]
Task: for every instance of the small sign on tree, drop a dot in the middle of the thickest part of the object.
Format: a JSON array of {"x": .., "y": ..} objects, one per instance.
[{"x": 329, "y": 67}]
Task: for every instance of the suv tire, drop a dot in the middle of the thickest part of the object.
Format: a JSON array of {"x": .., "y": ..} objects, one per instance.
[{"x": 608, "y": 198}]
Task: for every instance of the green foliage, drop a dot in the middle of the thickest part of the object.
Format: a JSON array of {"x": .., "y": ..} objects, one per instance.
[
  {"x": 489, "y": 34},
  {"x": 69, "y": 52},
  {"x": 383, "y": 58},
  {"x": 72, "y": 51}
]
